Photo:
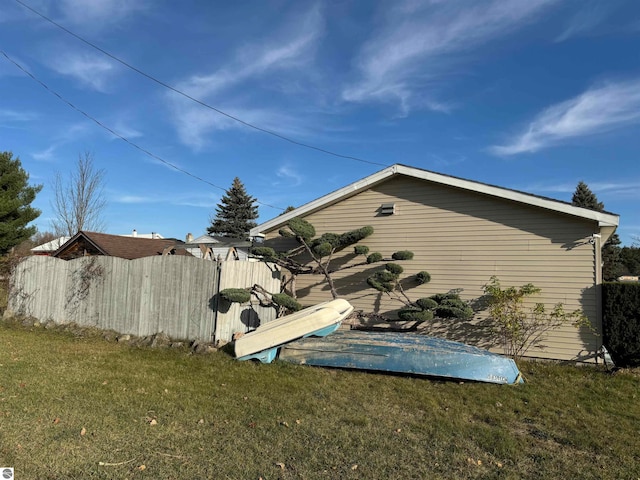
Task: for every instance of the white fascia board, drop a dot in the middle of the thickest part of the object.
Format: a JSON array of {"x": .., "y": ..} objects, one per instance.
[
  {"x": 603, "y": 219},
  {"x": 318, "y": 203}
]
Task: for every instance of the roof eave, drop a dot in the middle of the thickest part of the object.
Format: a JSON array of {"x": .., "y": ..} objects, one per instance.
[{"x": 603, "y": 218}]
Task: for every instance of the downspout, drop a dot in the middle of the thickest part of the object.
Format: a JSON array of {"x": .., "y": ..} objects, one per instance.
[
  {"x": 216, "y": 302},
  {"x": 597, "y": 256}
]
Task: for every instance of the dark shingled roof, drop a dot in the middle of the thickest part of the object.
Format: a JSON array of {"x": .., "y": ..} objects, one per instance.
[{"x": 117, "y": 246}]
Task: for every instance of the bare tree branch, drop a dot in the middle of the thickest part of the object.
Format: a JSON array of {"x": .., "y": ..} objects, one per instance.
[{"x": 79, "y": 201}]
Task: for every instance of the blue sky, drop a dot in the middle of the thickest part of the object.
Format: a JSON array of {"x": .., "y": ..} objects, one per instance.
[{"x": 531, "y": 95}]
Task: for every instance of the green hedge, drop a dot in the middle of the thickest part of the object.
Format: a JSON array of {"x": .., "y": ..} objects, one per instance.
[{"x": 621, "y": 322}]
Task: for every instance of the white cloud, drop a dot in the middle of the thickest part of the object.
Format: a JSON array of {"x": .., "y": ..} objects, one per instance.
[
  {"x": 45, "y": 155},
  {"x": 197, "y": 200},
  {"x": 195, "y": 124},
  {"x": 125, "y": 130},
  {"x": 289, "y": 176},
  {"x": 134, "y": 199},
  {"x": 417, "y": 39},
  {"x": 91, "y": 70},
  {"x": 598, "y": 110},
  {"x": 290, "y": 48}
]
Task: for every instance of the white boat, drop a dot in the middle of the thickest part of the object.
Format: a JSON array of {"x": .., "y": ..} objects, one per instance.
[{"x": 320, "y": 320}]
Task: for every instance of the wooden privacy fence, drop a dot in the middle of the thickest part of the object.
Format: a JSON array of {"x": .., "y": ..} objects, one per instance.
[{"x": 177, "y": 295}]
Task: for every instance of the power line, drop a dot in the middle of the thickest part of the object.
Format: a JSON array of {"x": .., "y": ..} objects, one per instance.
[
  {"x": 199, "y": 102},
  {"x": 116, "y": 134}
]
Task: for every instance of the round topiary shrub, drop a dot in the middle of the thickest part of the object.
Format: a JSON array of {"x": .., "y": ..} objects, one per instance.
[
  {"x": 236, "y": 295},
  {"x": 323, "y": 249},
  {"x": 426, "y": 303},
  {"x": 302, "y": 228},
  {"x": 394, "y": 268},
  {"x": 361, "y": 250},
  {"x": 374, "y": 257},
  {"x": 423, "y": 277}
]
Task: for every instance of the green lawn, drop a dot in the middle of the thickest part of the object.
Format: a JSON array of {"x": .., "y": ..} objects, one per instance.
[{"x": 81, "y": 407}]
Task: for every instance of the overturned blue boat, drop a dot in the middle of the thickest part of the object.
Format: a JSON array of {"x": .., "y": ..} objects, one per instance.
[{"x": 402, "y": 353}]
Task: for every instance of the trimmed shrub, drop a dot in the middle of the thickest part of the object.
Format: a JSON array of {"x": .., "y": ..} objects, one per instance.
[
  {"x": 374, "y": 257},
  {"x": 267, "y": 252},
  {"x": 361, "y": 250},
  {"x": 284, "y": 300},
  {"x": 450, "y": 305},
  {"x": 332, "y": 239},
  {"x": 354, "y": 236},
  {"x": 426, "y": 303},
  {"x": 423, "y": 277},
  {"x": 322, "y": 249},
  {"x": 394, "y": 268},
  {"x": 302, "y": 228},
  {"x": 621, "y": 322},
  {"x": 374, "y": 281},
  {"x": 403, "y": 255},
  {"x": 236, "y": 295},
  {"x": 415, "y": 315}
]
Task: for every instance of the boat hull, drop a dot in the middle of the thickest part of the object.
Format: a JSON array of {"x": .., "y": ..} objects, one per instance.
[{"x": 403, "y": 353}]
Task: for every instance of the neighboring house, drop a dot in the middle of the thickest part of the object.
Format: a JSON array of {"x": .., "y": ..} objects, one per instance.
[
  {"x": 214, "y": 247},
  {"x": 128, "y": 247},
  {"x": 50, "y": 247},
  {"x": 462, "y": 232}
]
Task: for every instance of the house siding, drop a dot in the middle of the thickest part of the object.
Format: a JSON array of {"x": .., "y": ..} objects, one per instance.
[{"x": 462, "y": 238}]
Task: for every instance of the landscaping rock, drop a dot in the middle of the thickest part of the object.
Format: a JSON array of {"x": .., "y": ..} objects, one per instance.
[
  {"x": 203, "y": 347},
  {"x": 123, "y": 338},
  {"x": 27, "y": 322},
  {"x": 160, "y": 340}
]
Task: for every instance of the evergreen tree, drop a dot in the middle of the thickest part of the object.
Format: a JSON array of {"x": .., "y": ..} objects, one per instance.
[
  {"x": 235, "y": 214},
  {"x": 611, "y": 265},
  {"x": 16, "y": 196},
  {"x": 585, "y": 198}
]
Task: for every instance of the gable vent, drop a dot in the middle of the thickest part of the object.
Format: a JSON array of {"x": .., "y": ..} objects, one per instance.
[{"x": 387, "y": 209}]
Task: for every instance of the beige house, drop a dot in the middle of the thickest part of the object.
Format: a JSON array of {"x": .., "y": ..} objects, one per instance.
[{"x": 463, "y": 232}]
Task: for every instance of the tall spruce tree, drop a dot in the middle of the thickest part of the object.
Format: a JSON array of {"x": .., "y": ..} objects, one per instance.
[
  {"x": 584, "y": 197},
  {"x": 16, "y": 196},
  {"x": 611, "y": 262},
  {"x": 235, "y": 214}
]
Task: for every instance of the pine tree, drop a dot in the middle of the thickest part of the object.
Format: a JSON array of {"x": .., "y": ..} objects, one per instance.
[
  {"x": 16, "y": 196},
  {"x": 584, "y": 197},
  {"x": 611, "y": 266},
  {"x": 235, "y": 214}
]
